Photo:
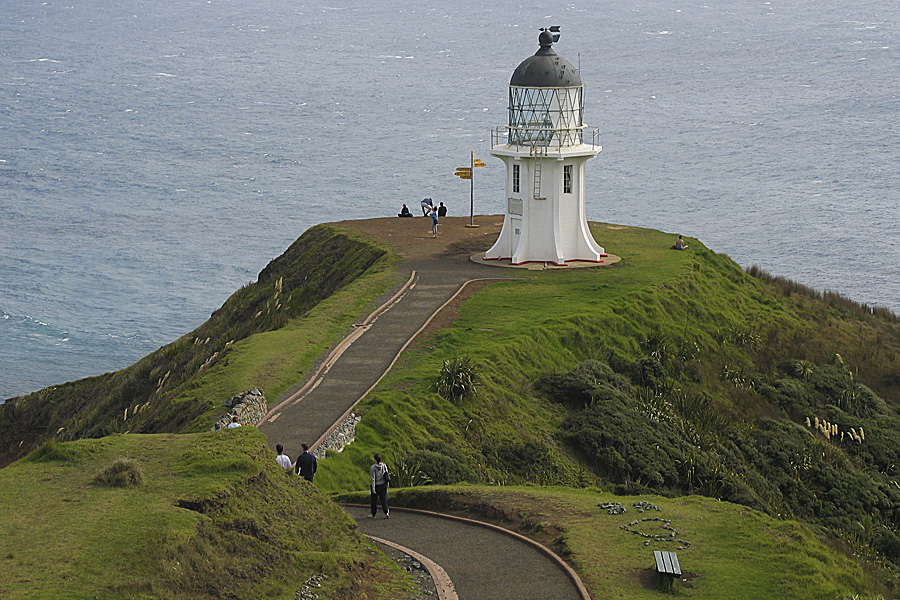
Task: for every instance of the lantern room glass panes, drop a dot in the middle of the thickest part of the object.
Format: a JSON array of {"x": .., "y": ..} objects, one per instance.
[{"x": 545, "y": 116}]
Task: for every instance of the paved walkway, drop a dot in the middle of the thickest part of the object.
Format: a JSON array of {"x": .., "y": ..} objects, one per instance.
[
  {"x": 482, "y": 562},
  {"x": 311, "y": 413}
]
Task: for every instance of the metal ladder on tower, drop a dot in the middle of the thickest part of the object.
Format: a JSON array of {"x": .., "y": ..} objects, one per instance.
[{"x": 537, "y": 178}]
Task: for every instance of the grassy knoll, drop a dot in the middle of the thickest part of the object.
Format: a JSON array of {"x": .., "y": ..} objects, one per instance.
[
  {"x": 267, "y": 334},
  {"x": 734, "y": 552},
  {"x": 214, "y": 517}
]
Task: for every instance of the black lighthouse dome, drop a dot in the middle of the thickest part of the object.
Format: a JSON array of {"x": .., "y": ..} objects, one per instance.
[{"x": 546, "y": 68}]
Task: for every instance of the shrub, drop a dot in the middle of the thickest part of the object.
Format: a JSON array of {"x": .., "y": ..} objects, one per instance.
[
  {"x": 407, "y": 472},
  {"x": 432, "y": 467},
  {"x": 585, "y": 384},
  {"x": 123, "y": 472},
  {"x": 457, "y": 379},
  {"x": 888, "y": 544},
  {"x": 530, "y": 460}
]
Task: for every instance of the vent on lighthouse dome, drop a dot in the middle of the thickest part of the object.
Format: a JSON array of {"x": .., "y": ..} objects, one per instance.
[{"x": 546, "y": 68}]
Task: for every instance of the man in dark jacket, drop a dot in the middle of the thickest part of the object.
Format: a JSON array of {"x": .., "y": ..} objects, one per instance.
[{"x": 306, "y": 464}]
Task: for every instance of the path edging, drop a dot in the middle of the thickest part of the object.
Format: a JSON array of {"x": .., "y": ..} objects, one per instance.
[
  {"x": 569, "y": 571},
  {"x": 397, "y": 357},
  {"x": 442, "y": 582},
  {"x": 339, "y": 350}
]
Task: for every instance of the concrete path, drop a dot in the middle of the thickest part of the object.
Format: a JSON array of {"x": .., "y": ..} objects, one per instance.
[
  {"x": 483, "y": 562},
  {"x": 368, "y": 354}
]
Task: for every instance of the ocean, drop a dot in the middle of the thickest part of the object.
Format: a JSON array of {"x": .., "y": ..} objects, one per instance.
[{"x": 154, "y": 157}]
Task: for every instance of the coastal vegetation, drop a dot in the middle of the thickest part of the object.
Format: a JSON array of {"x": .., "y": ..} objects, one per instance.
[{"x": 738, "y": 401}]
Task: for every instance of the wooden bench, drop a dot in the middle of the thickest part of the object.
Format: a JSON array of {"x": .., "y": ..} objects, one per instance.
[{"x": 667, "y": 567}]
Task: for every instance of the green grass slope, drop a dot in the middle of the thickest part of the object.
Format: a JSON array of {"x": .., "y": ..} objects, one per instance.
[
  {"x": 213, "y": 517},
  {"x": 266, "y": 335},
  {"x": 672, "y": 372}
]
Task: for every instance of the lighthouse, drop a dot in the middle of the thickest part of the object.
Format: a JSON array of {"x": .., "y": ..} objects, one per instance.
[{"x": 545, "y": 147}]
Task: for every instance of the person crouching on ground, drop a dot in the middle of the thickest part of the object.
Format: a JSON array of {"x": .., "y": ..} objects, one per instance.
[
  {"x": 381, "y": 479},
  {"x": 679, "y": 244}
]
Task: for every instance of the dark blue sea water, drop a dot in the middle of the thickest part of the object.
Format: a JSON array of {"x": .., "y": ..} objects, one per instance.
[{"x": 154, "y": 156}]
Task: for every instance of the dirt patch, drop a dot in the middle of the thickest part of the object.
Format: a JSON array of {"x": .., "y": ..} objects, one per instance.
[{"x": 411, "y": 237}]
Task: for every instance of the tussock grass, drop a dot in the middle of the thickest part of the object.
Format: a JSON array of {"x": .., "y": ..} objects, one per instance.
[{"x": 123, "y": 472}]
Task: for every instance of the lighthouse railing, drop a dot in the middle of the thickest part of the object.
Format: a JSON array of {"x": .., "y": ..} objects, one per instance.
[{"x": 541, "y": 140}]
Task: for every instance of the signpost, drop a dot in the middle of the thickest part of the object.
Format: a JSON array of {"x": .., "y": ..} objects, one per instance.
[{"x": 467, "y": 173}]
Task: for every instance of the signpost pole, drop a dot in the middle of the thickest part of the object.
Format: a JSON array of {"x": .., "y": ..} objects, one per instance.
[
  {"x": 469, "y": 173},
  {"x": 472, "y": 192}
]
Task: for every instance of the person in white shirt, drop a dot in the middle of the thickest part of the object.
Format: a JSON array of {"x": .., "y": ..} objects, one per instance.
[{"x": 283, "y": 459}]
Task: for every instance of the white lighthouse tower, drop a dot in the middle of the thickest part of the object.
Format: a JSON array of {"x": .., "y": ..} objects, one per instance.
[{"x": 545, "y": 147}]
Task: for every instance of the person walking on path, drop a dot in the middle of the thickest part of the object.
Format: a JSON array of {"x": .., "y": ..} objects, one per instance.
[
  {"x": 381, "y": 479},
  {"x": 283, "y": 459},
  {"x": 307, "y": 464}
]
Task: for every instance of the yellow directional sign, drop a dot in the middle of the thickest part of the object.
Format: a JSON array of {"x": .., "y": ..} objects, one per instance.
[
  {"x": 479, "y": 163},
  {"x": 464, "y": 175},
  {"x": 464, "y": 169}
]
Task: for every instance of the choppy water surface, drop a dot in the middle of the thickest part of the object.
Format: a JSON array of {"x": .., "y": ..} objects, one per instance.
[{"x": 155, "y": 156}]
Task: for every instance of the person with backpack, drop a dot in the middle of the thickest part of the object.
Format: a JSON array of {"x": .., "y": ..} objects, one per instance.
[{"x": 381, "y": 479}]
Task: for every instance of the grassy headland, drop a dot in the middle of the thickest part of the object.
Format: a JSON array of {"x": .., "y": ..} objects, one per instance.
[{"x": 672, "y": 373}]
